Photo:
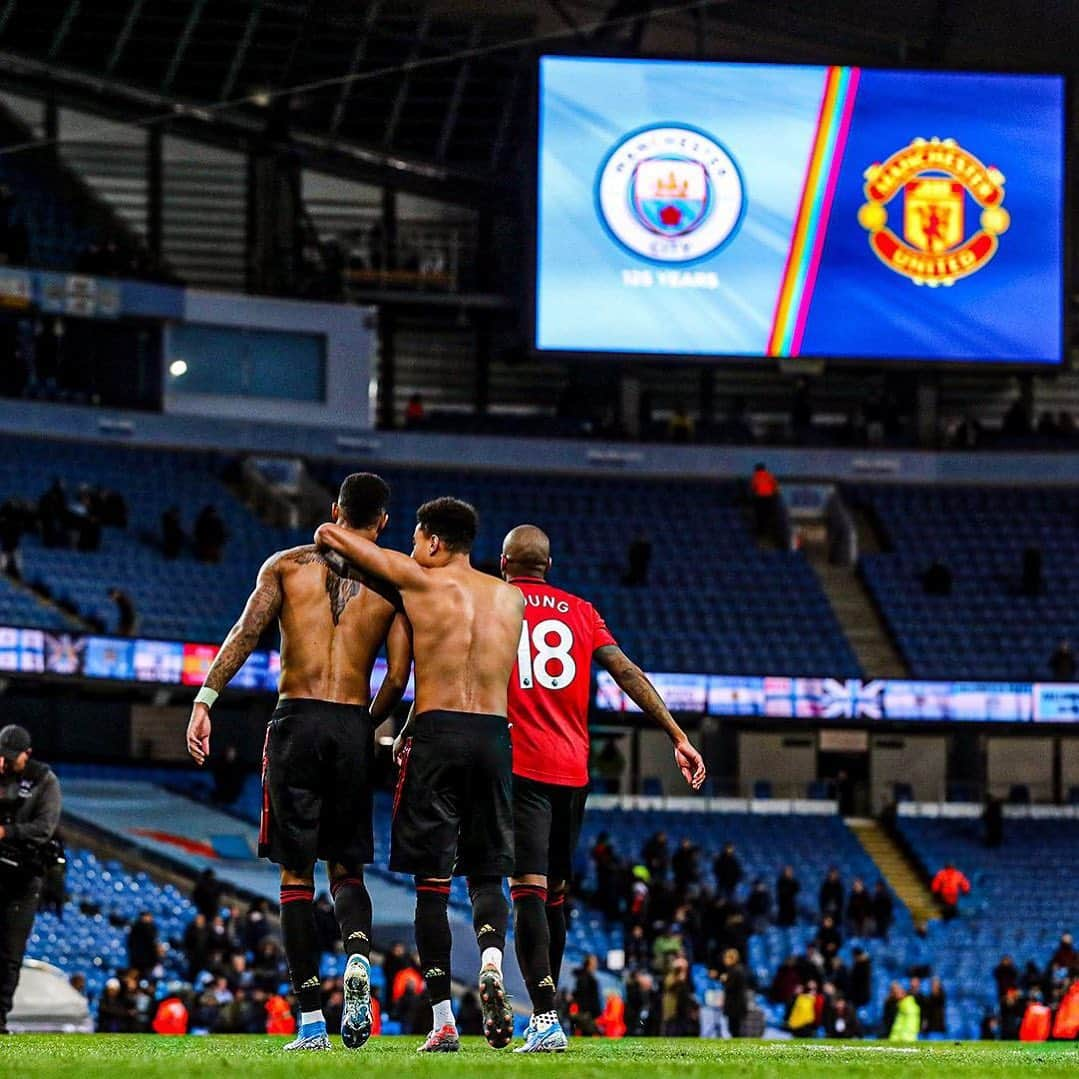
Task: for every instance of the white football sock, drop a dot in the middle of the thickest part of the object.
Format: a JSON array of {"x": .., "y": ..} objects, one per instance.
[
  {"x": 492, "y": 957},
  {"x": 307, "y": 1018},
  {"x": 444, "y": 1015}
]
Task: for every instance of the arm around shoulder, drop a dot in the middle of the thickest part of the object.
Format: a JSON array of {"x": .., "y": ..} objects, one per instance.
[{"x": 392, "y": 566}]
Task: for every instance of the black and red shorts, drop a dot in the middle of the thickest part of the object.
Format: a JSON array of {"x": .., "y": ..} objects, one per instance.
[
  {"x": 547, "y": 822},
  {"x": 317, "y": 796},
  {"x": 453, "y": 814}
]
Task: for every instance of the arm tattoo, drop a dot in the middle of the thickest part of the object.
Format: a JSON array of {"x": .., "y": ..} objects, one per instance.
[{"x": 262, "y": 608}]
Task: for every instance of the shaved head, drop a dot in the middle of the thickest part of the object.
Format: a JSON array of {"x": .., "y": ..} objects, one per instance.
[{"x": 526, "y": 549}]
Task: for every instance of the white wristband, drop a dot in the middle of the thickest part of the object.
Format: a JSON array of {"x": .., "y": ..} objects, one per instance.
[{"x": 206, "y": 696}]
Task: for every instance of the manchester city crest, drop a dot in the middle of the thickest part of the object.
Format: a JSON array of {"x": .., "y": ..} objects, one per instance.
[{"x": 671, "y": 194}]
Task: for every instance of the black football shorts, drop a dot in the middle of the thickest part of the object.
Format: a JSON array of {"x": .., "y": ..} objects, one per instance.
[
  {"x": 452, "y": 810},
  {"x": 317, "y": 797},
  {"x": 547, "y": 822}
]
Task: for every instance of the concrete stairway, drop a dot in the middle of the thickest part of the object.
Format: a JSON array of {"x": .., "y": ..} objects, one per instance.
[
  {"x": 896, "y": 869},
  {"x": 864, "y": 629}
]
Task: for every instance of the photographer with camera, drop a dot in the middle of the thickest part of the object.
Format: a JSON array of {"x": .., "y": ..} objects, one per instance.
[{"x": 29, "y": 814}]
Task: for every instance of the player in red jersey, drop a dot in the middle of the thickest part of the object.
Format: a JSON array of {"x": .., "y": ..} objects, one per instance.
[{"x": 548, "y": 712}]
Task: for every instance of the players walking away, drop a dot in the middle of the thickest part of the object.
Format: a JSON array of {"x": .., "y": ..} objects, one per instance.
[
  {"x": 452, "y": 811},
  {"x": 548, "y": 711},
  {"x": 317, "y": 794},
  {"x": 29, "y": 814}
]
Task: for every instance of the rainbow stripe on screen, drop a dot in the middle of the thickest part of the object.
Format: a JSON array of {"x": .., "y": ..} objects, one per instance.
[{"x": 811, "y": 222}]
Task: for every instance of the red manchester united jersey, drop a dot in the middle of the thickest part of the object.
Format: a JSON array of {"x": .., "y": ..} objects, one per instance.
[{"x": 548, "y": 697}]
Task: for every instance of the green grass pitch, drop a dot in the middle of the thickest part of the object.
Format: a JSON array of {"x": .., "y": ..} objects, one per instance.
[{"x": 149, "y": 1057}]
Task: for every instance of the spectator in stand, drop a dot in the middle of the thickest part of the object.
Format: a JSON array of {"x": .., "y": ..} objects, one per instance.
[
  {"x": 586, "y": 1002},
  {"x": 396, "y": 959},
  {"x": 786, "y": 982},
  {"x": 861, "y": 978},
  {"x": 638, "y": 559},
  {"x": 787, "y": 889},
  {"x": 206, "y": 895},
  {"x": 173, "y": 536},
  {"x": 882, "y": 910},
  {"x": 115, "y": 1013},
  {"x": 1006, "y": 975},
  {"x": 210, "y": 535},
  {"x": 86, "y": 521},
  {"x": 728, "y": 870},
  {"x": 197, "y": 946},
  {"x": 759, "y": 906},
  {"x": 643, "y": 1007},
  {"x": 907, "y": 1024},
  {"x": 1065, "y": 957},
  {"x": 934, "y": 1009},
  {"x": 414, "y": 411},
  {"x": 656, "y": 856},
  {"x": 15, "y": 519},
  {"x": 802, "y": 1017},
  {"x": 685, "y": 864},
  {"x": 142, "y": 943},
  {"x": 1033, "y": 977},
  {"x": 127, "y": 618},
  {"x": 829, "y": 936},
  {"x": 680, "y": 1009},
  {"x": 1062, "y": 662},
  {"x": 666, "y": 948},
  {"x": 841, "y": 1020},
  {"x": 859, "y": 907},
  {"x": 54, "y": 516},
  {"x": 606, "y": 862},
  {"x": 1037, "y": 1020},
  {"x": 948, "y": 885},
  {"x": 735, "y": 987},
  {"x": 1012, "y": 1008},
  {"x": 831, "y": 894},
  {"x": 764, "y": 493},
  {"x": 1016, "y": 422}
]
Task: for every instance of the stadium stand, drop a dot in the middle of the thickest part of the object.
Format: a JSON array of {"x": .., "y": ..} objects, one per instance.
[
  {"x": 728, "y": 606},
  {"x": 732, "y": 607},
  {"x": 987, "y": 626},
  {"x": 1022, "y": 900},
  {"x": 810, "y": 843}
]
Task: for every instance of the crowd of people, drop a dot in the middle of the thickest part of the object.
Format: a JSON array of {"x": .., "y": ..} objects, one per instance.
[
  {"x": 228, "y": 975},
  {"x": 1039, "y": 1002},
  {"x": 673, "y": 919},
  {"x": 76, "y": 521}
]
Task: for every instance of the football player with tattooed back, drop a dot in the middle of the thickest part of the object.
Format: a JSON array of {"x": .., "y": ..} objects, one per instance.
[{"x": 317, "y": 795}]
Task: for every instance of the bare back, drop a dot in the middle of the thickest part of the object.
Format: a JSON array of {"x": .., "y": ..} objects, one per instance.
[
  {"x": 331, "y": 630},
  {"x": 466, "y": 627}
]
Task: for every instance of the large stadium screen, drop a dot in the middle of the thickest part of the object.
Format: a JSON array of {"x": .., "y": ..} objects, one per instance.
[{"x": 753, "y": 210}]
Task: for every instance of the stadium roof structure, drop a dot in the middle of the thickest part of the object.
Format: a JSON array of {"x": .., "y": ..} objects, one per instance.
[{"x": 436, "y": 92}]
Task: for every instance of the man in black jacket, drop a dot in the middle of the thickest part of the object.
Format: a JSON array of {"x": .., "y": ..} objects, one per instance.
[{"x": 29, "y": 814}]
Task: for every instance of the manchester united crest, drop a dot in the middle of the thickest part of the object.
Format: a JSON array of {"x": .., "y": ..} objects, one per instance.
[{"x": 948, "y": 214}]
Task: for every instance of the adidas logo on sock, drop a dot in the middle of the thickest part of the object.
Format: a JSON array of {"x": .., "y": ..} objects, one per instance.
[
  {"x": 357, "y": 936},
  {"x": 311, "y": 983},
  {"x": 434, "y": 972},
  {"x": 546, "y": 983},
  {"x": 485, "y": 929}
]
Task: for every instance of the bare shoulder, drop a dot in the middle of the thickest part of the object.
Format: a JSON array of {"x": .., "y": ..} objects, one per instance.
[
  {"x": 511, "y": 594},
  {"x": 294, "y": 556}
]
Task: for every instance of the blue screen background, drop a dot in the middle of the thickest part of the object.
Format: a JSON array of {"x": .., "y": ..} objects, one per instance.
[{"x": 765, "y": 116}]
